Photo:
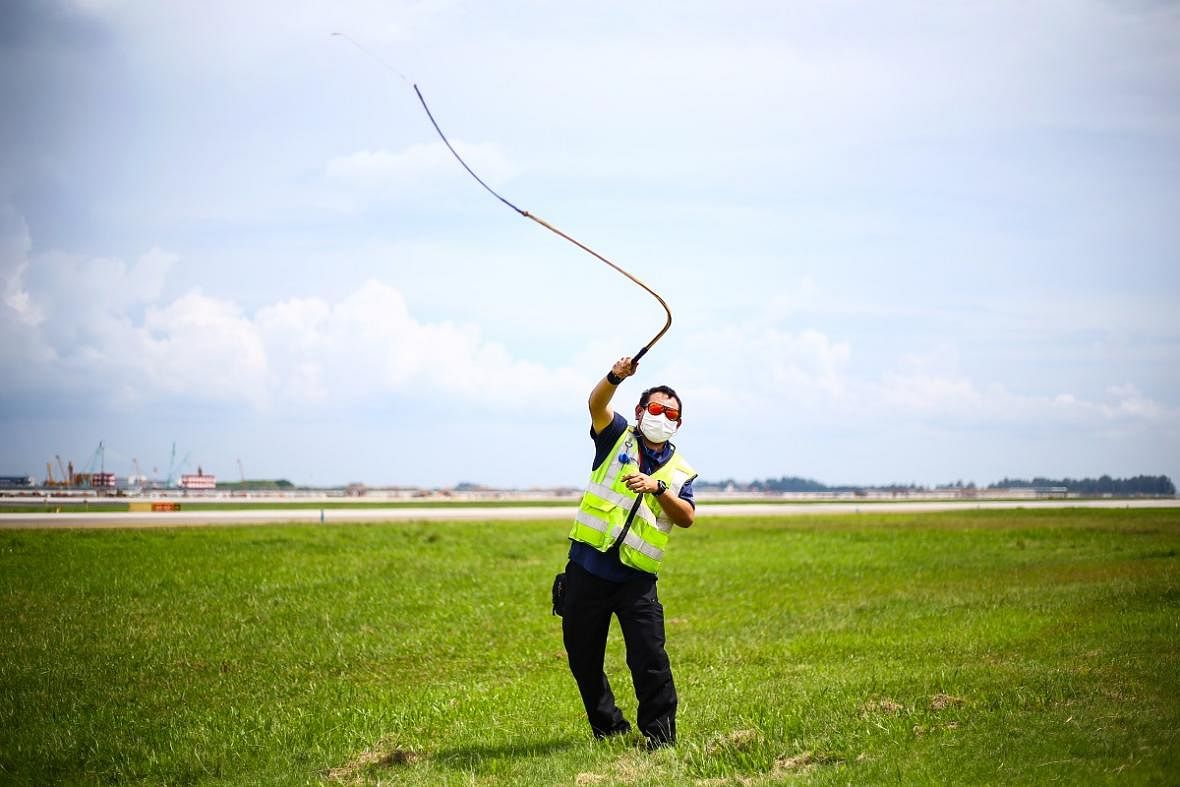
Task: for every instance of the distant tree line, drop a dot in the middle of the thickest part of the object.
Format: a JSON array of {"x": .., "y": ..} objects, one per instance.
[
  {"x": 256, "y": 485},
  {"x": 785, "y": 484},
  {"x": 794, "y": 483},
  {"x": 1104, "y": 485},
  {"x": 1159, "y": 485}
]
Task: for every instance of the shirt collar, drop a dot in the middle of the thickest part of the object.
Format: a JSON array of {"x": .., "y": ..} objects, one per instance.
[{"x": 659, "y": 457}]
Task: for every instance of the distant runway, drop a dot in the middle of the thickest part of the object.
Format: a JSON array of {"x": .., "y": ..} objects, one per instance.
[{"x": 264, "y": 516}]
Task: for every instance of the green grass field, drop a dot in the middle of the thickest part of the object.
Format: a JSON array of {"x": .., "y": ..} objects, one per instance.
[{"x": 966, "y": 647}]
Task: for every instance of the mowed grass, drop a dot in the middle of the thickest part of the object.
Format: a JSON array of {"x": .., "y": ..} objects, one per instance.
[{"x": 964, "y": 647}]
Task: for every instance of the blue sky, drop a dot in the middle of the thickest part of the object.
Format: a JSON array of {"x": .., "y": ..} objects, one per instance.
[{"x": 902, "y": 242}]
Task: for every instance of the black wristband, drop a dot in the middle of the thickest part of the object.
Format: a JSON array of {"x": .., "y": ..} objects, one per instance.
[
  {"x": 613, "y": 378},
  {"x": 661, "y": 488}
]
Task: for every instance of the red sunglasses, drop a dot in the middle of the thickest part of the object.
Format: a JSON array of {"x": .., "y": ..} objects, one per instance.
[{"x": 655, "y": 408}]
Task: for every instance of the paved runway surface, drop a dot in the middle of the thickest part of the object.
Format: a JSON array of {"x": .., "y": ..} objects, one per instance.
[{"x": 262, "y": 515}]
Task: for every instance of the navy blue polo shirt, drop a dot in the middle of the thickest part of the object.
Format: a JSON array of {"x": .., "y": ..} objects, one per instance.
[{"x": 607, "y": 565}]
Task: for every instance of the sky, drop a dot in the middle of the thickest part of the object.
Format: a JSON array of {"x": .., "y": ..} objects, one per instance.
[{"x": 902, "y": 242}]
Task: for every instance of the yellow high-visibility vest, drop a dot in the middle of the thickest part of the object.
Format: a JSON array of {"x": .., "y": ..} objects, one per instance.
[{"x": 607, "y": 504}]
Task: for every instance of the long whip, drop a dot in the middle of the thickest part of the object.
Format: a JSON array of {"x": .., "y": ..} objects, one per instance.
[{"x": 525, "y": 213}]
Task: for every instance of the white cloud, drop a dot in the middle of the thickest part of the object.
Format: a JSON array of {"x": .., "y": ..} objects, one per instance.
[
  {"x": 417, "y": 165},
  {"x": 915, "y": 392},
  {"x": 104, "y": 326},
  {"x": 1123, "y": 404},
  {"x": 755, "y": 364},
  {"x": 954, "y": 397},
  {"x": 108, "y": 332},
  {"x": 87, "y": 306},
  {"x": 201, "y": 348},
  {"x": 368, "y": 344},
  {"x": 1129, "y": 402},
  {"x": 809, "y": 377},
  {"x": 14, "y": 250}
]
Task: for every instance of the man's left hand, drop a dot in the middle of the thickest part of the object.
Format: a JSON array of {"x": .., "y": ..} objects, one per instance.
[{"x": 641, "y": 482}]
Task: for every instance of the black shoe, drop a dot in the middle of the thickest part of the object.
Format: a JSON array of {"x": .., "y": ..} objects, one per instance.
[
  {"x": 660, "y": 743},
  {"x": 619, "y": 729}
]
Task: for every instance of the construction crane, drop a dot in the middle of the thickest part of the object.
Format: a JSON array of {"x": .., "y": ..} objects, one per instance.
[
  {"x": 66, "y": 478},
  {"x": 176, "y": 468},
  {"x": 49, "y": 480},
  {"x": 97, "y": 464},
  {"x": 241, "y": 472}
]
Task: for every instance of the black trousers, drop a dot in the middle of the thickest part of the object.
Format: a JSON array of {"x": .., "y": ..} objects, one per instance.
[{"x": 589, "y": 604}]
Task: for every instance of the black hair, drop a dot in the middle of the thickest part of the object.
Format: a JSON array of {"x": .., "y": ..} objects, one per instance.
[{"x": 645, "y": 397}]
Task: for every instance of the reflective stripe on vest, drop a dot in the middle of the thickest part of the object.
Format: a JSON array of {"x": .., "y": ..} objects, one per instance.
[
  {"x": 631, "y": 539},
  {"x": 644, "y": 511}
]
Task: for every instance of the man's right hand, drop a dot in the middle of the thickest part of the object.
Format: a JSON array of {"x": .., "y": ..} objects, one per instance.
[{"x": 624, "y": 367}]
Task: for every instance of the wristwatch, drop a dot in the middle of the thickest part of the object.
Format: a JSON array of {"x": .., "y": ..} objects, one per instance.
[{"x": 661, "y": 488}]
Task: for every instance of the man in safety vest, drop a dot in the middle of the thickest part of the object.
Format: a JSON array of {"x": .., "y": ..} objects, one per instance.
[{"x": 639, "y": 488}]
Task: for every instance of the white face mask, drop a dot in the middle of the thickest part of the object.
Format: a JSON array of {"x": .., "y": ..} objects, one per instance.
[{"x": 657, "y": 428}]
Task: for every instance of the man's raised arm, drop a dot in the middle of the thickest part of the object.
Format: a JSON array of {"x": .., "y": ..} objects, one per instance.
[{"x": 601, "y": 413}]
